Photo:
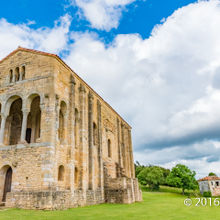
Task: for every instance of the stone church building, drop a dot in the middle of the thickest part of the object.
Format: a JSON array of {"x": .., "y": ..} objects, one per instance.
[{"x": 61, "y": 144}]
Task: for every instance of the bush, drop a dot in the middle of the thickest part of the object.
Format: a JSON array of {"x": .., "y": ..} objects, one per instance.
[{"x": 207, "y": 194}]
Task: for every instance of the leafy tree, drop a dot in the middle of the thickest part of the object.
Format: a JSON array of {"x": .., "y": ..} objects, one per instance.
[
  {"x": 182, "y": 177},
  {"x": 151, "y": 176},
  {"x": 138, "y": 168},
  {"x": 212, "y": 174}
]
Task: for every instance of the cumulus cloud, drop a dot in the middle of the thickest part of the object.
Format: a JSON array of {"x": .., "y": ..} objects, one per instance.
[
  {"x": 102, "y": 14},
  {"x": 166, "y": 86},
  {"x": 48, "y": 39}
]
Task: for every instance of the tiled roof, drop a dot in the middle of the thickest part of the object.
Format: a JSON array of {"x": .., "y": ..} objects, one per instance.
[{"x": 209, "y": 178}]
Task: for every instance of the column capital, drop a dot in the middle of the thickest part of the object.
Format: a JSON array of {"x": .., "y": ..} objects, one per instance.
[
  {"x": 91, "y": 97},
  {"x": 25, "y": 110},
  {"x": 72, "y": 80},
  {"x": 82, "y": 88},
  {"x": 3, "y": 115}
]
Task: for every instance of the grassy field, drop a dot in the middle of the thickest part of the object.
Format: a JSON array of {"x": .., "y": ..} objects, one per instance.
[{"x": 167, "y": 204}]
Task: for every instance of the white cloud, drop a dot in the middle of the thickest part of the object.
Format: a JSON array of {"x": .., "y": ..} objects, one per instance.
[
  {"x": 102, "y": 14},
  {"x": 48, "y": 39},
  {"x": 166, "y": 86},
  {"x": 203, "y": 157}
]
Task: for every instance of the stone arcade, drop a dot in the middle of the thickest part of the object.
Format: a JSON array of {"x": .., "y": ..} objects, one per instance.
[{"x": 61, "y": 144}]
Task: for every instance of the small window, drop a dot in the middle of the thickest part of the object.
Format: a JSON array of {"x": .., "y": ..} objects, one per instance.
[
  {"x": 10, "y": 76},
  {"x": 212, "y": 183},
  {"x": 23, "y": 72},
  {"x": 217, "y": 183},
  {"x": 95, "y": 134},
  {"x": 61, "y": 173},
  {"x": 109, "y": 148}
]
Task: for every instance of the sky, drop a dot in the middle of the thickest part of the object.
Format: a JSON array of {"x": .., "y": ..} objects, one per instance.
[{"x": 155, "y": 62}]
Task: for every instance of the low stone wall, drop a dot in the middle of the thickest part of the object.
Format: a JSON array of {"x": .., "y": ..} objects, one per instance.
[
  {"x": 39, "y": 200},
  {"x": 52, "y": 200}
]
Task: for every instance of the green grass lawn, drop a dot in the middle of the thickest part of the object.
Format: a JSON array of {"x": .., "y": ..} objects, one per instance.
[{"x": 167, "y": 204}]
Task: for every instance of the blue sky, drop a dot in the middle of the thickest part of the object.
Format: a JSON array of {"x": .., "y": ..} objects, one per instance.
[
  {"x": 156, "y": 62},
  {"x": 139, "y": 17}
]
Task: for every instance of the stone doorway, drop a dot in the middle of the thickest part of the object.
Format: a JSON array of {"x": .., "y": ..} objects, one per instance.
[{"x": 7, "y": 185}]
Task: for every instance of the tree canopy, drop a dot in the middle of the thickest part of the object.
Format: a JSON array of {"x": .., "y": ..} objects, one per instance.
[
  {"x": 152, "y": 176},
  {"x": 182, "y": 177}
]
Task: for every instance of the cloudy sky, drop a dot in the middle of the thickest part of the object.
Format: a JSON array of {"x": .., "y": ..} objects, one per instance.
[{"x": 156, "y": 62}]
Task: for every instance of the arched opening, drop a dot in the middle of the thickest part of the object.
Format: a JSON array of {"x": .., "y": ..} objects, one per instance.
[
  {"x": 76, "y": 178},
  {"x": 22, "y": 72},
  {"x": 61, "y": 173},
  {"x": 95, "y": 134},
  {"x": 61, "y": 130},
  {"x": 14, "y": 123},
  {"x": 17, "y": 73},
  {"x": 33, "y": 121},
  {"x": 7, "y": 170},
  {"x": 10, "y": 76},
  {"x": 109, "y": 148}
]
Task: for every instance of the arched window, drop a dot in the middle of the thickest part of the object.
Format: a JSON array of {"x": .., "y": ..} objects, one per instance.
[
  {"x": 22, "y": 72},
  {"x": 10, "y": 76},
  {"x": 14, "y": 122},
  {"x": 34, "y": 121},
  {"x": 61, "y": 131},
  {"x": 61, "y": 173},
  {"x": 17, "y": 74},
  {"x": 95, "y": 134},
  {"x": 109, "y": 148}
]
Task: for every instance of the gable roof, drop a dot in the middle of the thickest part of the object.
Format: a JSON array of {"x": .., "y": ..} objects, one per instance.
[
  {"x": 209, "y": 178},
  {"x": 67, "y": 66}
]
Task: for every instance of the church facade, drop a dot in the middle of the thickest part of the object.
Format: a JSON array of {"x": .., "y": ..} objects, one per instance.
[{"x": 61, "y": 144}]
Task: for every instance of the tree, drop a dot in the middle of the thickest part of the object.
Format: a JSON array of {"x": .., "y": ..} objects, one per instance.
[
  {"x": 138, "y": 168},
  {"x": 212, "y": 174},
  {"x": 151, "y": 176},
  {"x": 182, "y": 177}
]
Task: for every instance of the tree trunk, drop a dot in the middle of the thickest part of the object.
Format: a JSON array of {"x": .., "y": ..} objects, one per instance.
[{"x": 183, "y": 191}]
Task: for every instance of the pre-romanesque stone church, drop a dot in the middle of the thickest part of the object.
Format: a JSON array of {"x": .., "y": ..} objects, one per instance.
[{"x": 61, "y": 144}]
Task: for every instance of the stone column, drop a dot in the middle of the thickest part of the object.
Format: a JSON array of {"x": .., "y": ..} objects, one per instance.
[
  {"x": 13, "y": 76},
  {"x": 83, "y": 151},
  {"x": 119, "y": 143},
  {"x": 131, "y": 154},
  {"x": 2, "y": 132},
  {"x": 24, "y": 125},
  {"x": 123, "y": 148},
  {"x": 57, "y": 118},
  {"x": 90, "y": 135},
  {"x": 71, "y": 135},
  {"x": 127, "y": 148},
  {"x": 100, "y": 162}
]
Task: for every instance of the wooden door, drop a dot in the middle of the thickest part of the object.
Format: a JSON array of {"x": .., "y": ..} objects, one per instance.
[{"x": 7, "y": 186}]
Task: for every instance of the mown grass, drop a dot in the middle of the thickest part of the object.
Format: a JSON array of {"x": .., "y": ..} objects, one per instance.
[{"x": 167, "y": 204}]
